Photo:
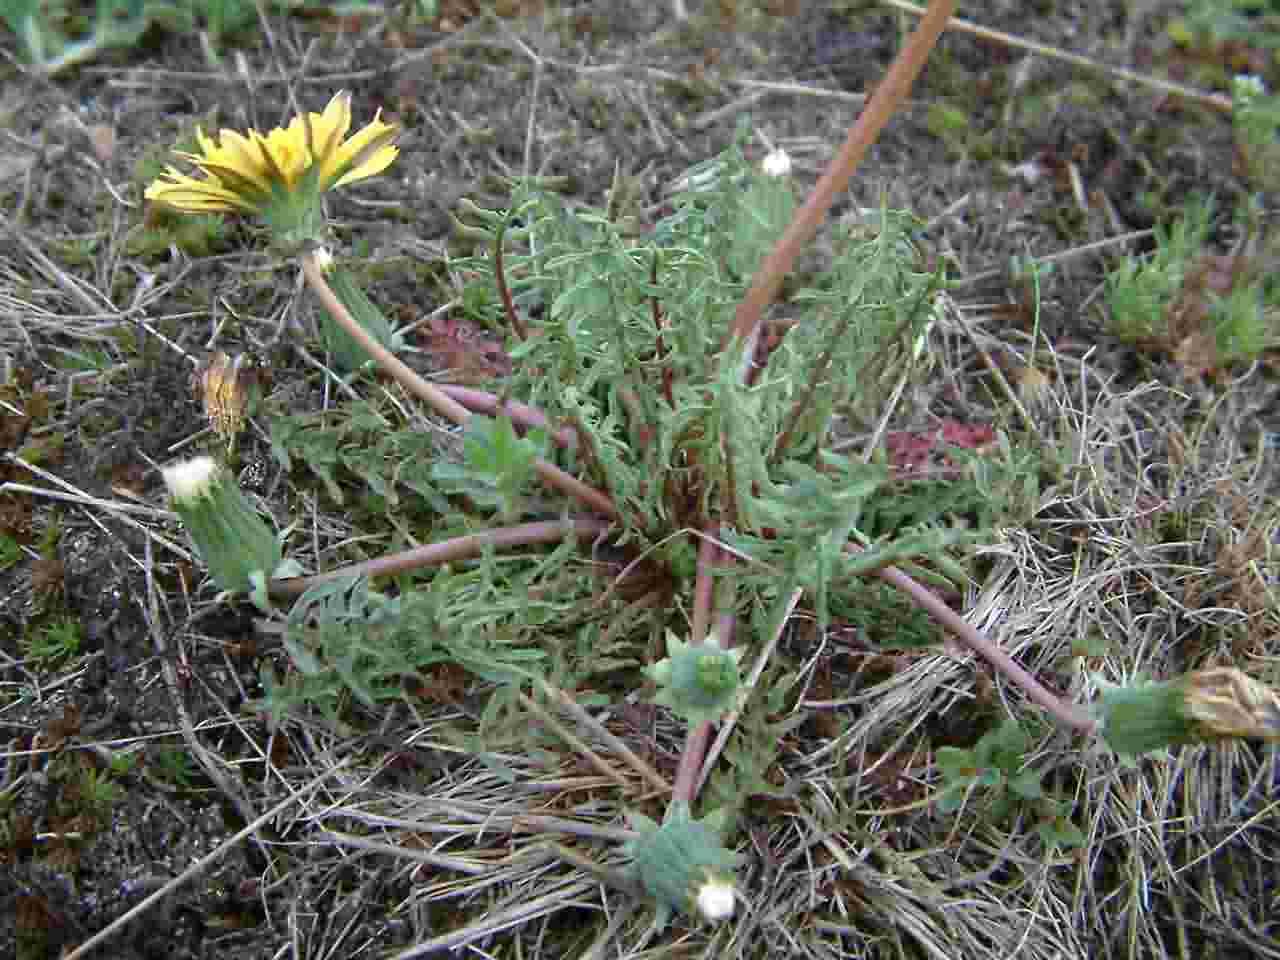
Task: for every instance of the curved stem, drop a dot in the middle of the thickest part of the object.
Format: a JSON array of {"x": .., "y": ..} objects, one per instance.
[
  {"x": 500, "y": 276},
  {"x": 458, "y": 548},
  {"x": 437, "y": 398},
  {"x": 972, "y": 638},
  {"x": 481, "y": 401}
]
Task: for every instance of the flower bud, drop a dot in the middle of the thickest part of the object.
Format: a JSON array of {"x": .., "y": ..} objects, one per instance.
[
  {"x": 1144, "y": 717},
  {"x": 1203, "y": 705},
  {"x": 700, "y": 682},
  {"x": 715, "y": 900},
  {"x": 226, "y": 386},
  {"x": 1225, "y": 702},
  {"x": 777, "y": 163},
  {"x": 683, "y": 866},
  {"x": 230, "y": 535},
  {"x": 1246, "y": 88}
]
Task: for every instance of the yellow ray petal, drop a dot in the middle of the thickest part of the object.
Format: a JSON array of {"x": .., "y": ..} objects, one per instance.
[
  {"x": 330, "y": 127},
  {"x": 237, "y": 151},
  {"x": 253, "y": 191},
  {"x": 188, "y": 194},
  {"x": 287, "y": 150},
  {"x": 366, "y": 154}
]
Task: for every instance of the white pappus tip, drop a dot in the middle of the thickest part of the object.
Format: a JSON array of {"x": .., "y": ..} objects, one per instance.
[
  {"x": 715, "y": 900},
  {"x": 777, "y": 163},
  {"x": 1247, "y": 87},
  {"x": 190, "y": 478}
]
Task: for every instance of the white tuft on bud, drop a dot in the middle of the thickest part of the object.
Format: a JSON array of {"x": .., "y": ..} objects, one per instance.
[
  {"x": 191, "y": 478},
  {"x": 715, "y": 900},
  {"x": 1247, "y": 87},
  {"x": 230, "y": 535},
  {"x": 777, "y": 163}
]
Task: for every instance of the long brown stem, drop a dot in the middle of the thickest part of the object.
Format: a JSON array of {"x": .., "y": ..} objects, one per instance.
[
  {"x": 768, "y": 280},
  {"x": 889, "y": 94},
  {"x": 458, "y": 548},
  {"x": 695, "y": 744},
  {"x": 481, "y": 401},
  {"x": 500, "y": 276},
  {"x": 438, "y": 400},
  {"x": 972, "y": 638}
]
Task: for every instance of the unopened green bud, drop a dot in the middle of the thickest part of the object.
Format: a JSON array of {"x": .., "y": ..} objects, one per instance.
[
  {"x": 1144, "y": 717},
  {"x": 231, "y": 536},
  {"x": 700, "y": 682},
  {"x": 683, "y": 866}
]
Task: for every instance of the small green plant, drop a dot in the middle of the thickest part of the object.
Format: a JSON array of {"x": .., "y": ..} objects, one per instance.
[
  {"x": 1255, "y": 117},
  {"x": 1256, "y": 22},
  {"x": 994, "y": 764},
  {"x": 1206, "y": 312},
  {"x": 345, "y": 640},
  {"x": 55, "y": 641},
  {"x": 363, "y": 454},
  {"x": 683, "y": 446},
  {"x": 498, "y": 466},
  {"x": 10, "y": 551},
  {"x": 123, "y": 762},
  {"x": 53, "y": 38},
  {"x": 1140, "y": 291},
  {"x": 992, "y": 774},
  {"x": 98, "y": 793},
  {"x": 174, "y": 765}
]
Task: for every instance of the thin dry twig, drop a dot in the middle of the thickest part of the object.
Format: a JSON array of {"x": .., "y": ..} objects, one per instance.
[
  {"x": 1217, "y": 101},
  {"x": 200, "y": 865},
  {"x": 584, "y": 717}
]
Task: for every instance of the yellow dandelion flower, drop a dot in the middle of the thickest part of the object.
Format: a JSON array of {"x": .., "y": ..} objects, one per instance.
[{"x": 280, "y": 175}]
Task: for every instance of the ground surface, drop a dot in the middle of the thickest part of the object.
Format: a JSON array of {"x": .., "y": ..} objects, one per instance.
[{"x": 103, "y": 327}]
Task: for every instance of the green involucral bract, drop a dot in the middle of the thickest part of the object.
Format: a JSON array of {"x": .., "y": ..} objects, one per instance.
[
  {"x": 1145, "y": 717},
  {"x": 683, "y": 865},
  {"x": 700, "y": 682},
  {"x": 347, "y": 355},
  {"x": 231, "y": 536}
]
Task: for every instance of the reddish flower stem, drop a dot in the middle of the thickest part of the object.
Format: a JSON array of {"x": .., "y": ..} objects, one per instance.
[
  {"x": 972, "y": 638},
  {"x": 888, "y": 96},
  {"x": 768, "y": 280},
  {"x": 435, "y": 397},
  {"x": 500, "y": 275},
  {"x": 480, "y": 401},
  {"x": 447, "y": 551},
  {"x": 695, "y": 743}
]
